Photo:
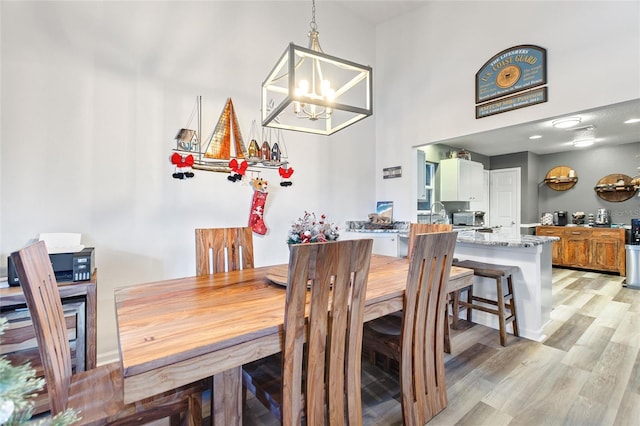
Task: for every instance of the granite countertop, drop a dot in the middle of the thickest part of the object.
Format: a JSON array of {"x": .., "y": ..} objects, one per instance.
[
  {"x": 367, "y": 227},
  {"x": 376, "y": 231},
  {"x": 471, "y": 236},
  {"x": 503, "y": 239}
]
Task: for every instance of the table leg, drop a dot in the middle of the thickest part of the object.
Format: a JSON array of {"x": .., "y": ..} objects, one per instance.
[
  {"x": 455, "y": 308},
  {"x": 447, "y": 332},
  {"x": 226, "y": 398}
]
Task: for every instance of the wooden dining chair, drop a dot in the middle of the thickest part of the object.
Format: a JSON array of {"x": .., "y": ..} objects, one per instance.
[
  {"x": 418, "y": 345},
  {"x": 223, "y": 249},
  {"x": 97, "y": 394},
  {"x": 317, "y": 375},
  {"x": 377, "y": 351},
  {"x": 425, "y": 228}
]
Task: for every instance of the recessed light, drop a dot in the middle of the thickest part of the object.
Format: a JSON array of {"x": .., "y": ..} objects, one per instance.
[
  {"x": 565, "y": 123},
  {"x": 583, "y": 142},
  {"x": 535, "y": 137},
  {"x": 632, "y": 120}
]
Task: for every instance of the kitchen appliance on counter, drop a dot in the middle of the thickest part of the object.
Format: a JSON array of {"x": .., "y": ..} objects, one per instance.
[
  {"x": 603, "y": 218},
  {"x": 468, "y": 218},
  {"x": 578, "y": 218},
  {"x": 632, "y": 249},
  {"x": 634, "y": 238},
  {"x": 560, "y": 218}
]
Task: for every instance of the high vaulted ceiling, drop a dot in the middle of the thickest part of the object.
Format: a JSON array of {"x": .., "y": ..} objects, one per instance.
[{"x": 604, "y": 123}]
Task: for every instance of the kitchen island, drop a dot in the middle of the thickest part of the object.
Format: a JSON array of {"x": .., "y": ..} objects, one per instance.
[
  {"x": 387, "y": 241},
  {"x": 531, "y": 284},
  {"x": 530, "y": 253}
]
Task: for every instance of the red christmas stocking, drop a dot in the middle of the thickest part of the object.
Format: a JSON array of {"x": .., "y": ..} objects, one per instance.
[{"x": 256, "y": 219}]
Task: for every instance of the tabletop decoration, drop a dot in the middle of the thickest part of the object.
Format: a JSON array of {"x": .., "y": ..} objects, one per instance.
[{"x": 310, "y": 229}]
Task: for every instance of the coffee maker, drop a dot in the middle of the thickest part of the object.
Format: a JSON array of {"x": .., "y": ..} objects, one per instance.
[
  {"x": 603, "y": 218},
  {"x": 560, "y": 218},
  {"x": 635, "y": 232}
]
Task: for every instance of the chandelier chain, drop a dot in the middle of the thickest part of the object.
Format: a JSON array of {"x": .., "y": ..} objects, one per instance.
[{"x": 313, "y": 24}]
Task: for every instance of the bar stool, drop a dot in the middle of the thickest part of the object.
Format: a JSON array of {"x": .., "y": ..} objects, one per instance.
[{"x": 504, "y": 300}]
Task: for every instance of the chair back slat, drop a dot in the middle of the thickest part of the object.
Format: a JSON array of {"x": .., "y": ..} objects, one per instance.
[
  {"x": 425, "y": 228},
  {"x": 337, "y": 274},
  {"x": 40, "y": 288},
  {"x": 422, "y": 375},
  {"x": 223, "y": 249}
]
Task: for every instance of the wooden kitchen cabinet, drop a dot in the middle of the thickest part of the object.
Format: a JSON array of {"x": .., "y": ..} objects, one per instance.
[
  {"x": 607, "y": 250},
  {"x": 600, "y": 249},
  {"x": 576, "y": 247},
  {"x": 557, "y": 247},
  {"x": 19, "y": 341},
  {"x": 461, "y": 180}
]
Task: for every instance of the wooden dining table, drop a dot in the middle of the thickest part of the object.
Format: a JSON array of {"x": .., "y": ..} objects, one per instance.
[{"x": 177, "y": 331}]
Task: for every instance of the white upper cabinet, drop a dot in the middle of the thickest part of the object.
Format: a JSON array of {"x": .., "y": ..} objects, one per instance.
[
  {"x": 482, "y": 203},
  {"x": 461, "y": 180},
  {"x": 422, "y": 176}
]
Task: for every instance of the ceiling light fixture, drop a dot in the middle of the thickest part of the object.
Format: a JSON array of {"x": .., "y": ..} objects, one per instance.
[
  {"x": 583, "y": 142},
  {"x": 310, "y": 91},
  {"x": 565, "y": 123},
  {"x": 632, "y": 120},
  {"x": 535, "y": 136}
]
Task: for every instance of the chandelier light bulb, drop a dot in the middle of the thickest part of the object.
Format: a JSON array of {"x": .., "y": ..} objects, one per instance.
[
  {"x": 326, "y": 87},
  {"x": 303, "y": 87}
]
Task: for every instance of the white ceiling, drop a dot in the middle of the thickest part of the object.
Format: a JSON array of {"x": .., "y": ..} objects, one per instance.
[
  {"x": 379, "y": 11},
  {"x": 608, "y": 129},
  {"x": 607, "y": 121}
]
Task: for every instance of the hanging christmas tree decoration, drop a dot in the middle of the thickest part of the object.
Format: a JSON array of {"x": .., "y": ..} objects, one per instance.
[{"x": 256, "y": 217}]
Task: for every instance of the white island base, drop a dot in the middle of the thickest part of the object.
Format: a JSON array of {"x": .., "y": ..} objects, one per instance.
[{"x": 531, "y": 284}]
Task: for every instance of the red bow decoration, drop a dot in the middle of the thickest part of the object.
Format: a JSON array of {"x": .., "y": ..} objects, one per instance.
[
  {"x": 180, "y": 161},
  {"x": 238, "y": 168},
  {"x": 285, "y": 173}
]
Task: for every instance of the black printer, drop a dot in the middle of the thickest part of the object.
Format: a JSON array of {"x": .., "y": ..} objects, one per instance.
[{"x": 75, "y": 266}]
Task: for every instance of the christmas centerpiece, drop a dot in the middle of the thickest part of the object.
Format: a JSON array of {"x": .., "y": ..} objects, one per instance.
[{"x": 310, "y": 229}]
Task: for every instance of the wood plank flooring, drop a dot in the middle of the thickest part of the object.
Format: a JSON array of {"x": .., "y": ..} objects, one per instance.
[{"x": 585, "y": 372}]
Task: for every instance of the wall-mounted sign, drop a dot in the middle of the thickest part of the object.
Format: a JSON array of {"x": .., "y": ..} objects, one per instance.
[
  {"x": 516, "y": 69},
  {"x": 392, "y": 172},
  {"x": 521, "y": 100}
]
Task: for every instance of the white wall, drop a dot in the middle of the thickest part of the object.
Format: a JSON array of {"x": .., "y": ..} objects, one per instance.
[
  {"x": 426, "y": 62},
  {"x": 93, "y": 94}
]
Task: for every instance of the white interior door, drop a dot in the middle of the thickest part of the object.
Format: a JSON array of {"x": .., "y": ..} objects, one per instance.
[{"x": 504, "y": 199}]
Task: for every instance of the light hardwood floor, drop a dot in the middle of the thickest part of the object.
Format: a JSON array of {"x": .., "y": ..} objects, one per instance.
[{"x": 585, "y": 372}]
